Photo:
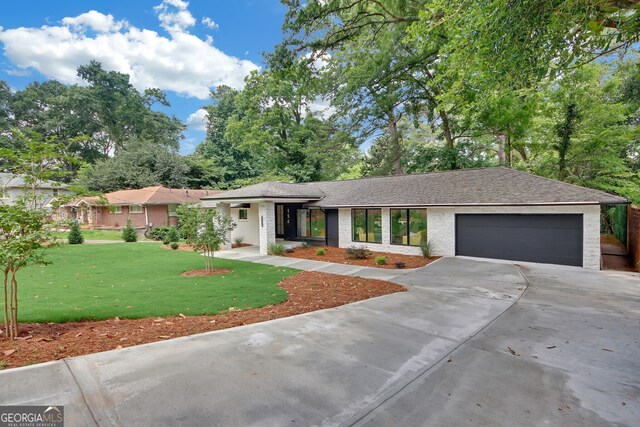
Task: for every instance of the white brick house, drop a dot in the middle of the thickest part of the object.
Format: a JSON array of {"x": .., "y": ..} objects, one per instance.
[{"x": 491, "y": 213}]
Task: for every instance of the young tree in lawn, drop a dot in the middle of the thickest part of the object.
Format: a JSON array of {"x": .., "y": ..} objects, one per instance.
[
  {"x": 75, "y": 234},
  {"x": 204, "y": 229},
  {"x": 23, "y": 233}
]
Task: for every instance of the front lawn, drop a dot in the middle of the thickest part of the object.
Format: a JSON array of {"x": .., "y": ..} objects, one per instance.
[{"x": 135, "y": 280}]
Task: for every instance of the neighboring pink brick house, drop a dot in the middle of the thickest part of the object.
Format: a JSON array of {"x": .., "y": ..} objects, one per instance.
[{"x": 147, "y": 207}]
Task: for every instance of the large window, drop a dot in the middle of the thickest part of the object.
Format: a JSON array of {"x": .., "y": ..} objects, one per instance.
[
  {"x": 135, "y": 209},
  {"x": 408, "y": 226},
  {"x": 115, "y": 209},
  {"x": 279, "y": 220},
  {"x": 311, "y": 223},
  {"x": 366, "y": 225}
]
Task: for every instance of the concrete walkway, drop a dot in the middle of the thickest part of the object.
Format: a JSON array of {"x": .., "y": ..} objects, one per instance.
[{"x": 470, "y": 343}]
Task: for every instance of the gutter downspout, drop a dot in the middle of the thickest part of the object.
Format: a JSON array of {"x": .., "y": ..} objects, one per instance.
[{"x": 146, "y": 216}]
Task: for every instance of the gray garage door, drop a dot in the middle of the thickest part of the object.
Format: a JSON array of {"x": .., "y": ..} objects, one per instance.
[{"x": 553, "y": 239}]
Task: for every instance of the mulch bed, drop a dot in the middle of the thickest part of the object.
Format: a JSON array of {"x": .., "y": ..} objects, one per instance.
[
  {"x": 204, "y": 272},
  {"x": 308, "y": 291},
  {"x": 182, "y": 247},
  {"x": 240, "y": 245},
  {"x": 338, "y": 255}
]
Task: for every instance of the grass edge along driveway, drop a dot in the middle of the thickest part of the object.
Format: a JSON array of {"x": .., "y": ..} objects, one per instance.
[{"x": 136, "y": 280}]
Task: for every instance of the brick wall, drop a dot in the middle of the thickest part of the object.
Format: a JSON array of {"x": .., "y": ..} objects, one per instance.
[{"x": 633, "y": 236}]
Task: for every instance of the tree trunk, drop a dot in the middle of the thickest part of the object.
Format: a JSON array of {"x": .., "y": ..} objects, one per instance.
[
  {"x": 502, "y": 138},
  {"x": 523, "y": 153},
  {"x": 507, "y": 151},
  {"x": 395, "y": 146},
  {"x": 14, "y": 320},
  {"x": 565, "y": 132},
  {"x": 446, "y": 129},
  {"x": 6, "y": 303}
]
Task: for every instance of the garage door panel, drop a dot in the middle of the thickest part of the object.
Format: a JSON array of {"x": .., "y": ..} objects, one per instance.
[{"x": 555, "y": 239}]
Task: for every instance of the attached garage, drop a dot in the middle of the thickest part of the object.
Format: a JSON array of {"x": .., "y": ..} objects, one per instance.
[{"x": 546, "y": 238}]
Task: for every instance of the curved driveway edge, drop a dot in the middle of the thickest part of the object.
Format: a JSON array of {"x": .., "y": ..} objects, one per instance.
[{"x": 423, "y": 357}]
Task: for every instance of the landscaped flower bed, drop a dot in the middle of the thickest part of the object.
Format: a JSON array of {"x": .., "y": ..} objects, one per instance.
[
  {"x": 307, "y": 291},
  {"x": 339, "y": 255}
]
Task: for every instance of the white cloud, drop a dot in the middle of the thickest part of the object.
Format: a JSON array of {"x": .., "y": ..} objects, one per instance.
[
  {"x": 210, "y": 23},
  {"x": 322, "y": 107},
  {"x": 17, "y": 72},
  {"x": 181, "y": 62},
  {"x": 174, "y": 15},
  {"x": 198, "y": 120},
  {"x": 94, "y": 20}
]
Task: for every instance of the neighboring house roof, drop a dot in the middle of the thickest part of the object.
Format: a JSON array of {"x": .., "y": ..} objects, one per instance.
[
  {"x": 9, "y": 180},
  {"x": 150, "y": 196},
  {"x": 464, "y": 187}
]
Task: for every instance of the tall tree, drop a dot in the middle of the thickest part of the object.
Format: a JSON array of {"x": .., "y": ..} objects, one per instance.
[
  {"x": 122, "y": 113},
  {"x": 140, "y": 164},
  {"x": 497, "y": 44},
  {"x": 275, "y": 121},
  {"x": 220, "y": 158},
  {"x": 377, "y": 75}
]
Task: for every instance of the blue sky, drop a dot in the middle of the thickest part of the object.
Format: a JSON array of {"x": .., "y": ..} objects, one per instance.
[{"x": 185, "y": 48}]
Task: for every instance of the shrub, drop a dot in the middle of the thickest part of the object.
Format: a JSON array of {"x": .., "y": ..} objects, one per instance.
[
  {"x": 171, "y": 236},
  {"x": 238, "y": 240},
  {"x": 400, "y": 265},
  {"x": 175, "y": 245},
  {"x": 321, "y": 251},
  {"x": 426, "y": 246},
  {"x": 358, "y": 252},
  {"x": 75, "y": 234},
  {"x": 275, "y": 249},
  {"x": 129, "y": 233},
  {"x": 380, "y": 260},
  {"x": 158, "y": 233}
]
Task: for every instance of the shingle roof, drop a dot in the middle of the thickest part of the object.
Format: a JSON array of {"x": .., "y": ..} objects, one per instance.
[
  {"x": 9, "y": 180},
  {"x": 489, "y": 186},
  {"x": 268, "y": 190},
  {"x": 153, "y": 196}
]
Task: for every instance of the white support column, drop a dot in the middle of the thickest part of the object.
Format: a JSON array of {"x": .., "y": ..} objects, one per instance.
[
  {"x": 225, "y": 209},
  {"x": 267, "y": 225},
  {"x": 386, "y": 226}
]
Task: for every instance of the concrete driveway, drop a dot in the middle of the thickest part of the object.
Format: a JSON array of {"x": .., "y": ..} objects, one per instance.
[{"x": 471, "y": 343}]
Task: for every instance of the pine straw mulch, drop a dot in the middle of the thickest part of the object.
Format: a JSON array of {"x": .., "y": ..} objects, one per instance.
[
  {"x": 338, "y": 255},
  {"x": 204, "y": 272},
  {"x": 308, "y": 291}
]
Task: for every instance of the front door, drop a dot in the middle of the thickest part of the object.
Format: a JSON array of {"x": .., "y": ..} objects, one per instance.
[{"x": 332, "y": 227}]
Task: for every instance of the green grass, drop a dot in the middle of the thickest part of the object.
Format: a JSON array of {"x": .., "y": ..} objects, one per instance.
[
  {"x": 93, "y": 235},
  {"x": 135, "y": 280}
]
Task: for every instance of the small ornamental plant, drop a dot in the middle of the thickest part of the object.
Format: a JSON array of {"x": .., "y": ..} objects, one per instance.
[
  {"x": 400, "y": 265},
  {"x": 275, "y": 249},
  {"x": 75, "y": 234},
  {"x": 358, "y": 252},
  {"x": 321, "y": 251},
  {"x": 129, "y": 233},
  {"x": 175, "y": 245},
  {"x": 171, "y": 236},
  {"x": 380, "y": 260}
]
